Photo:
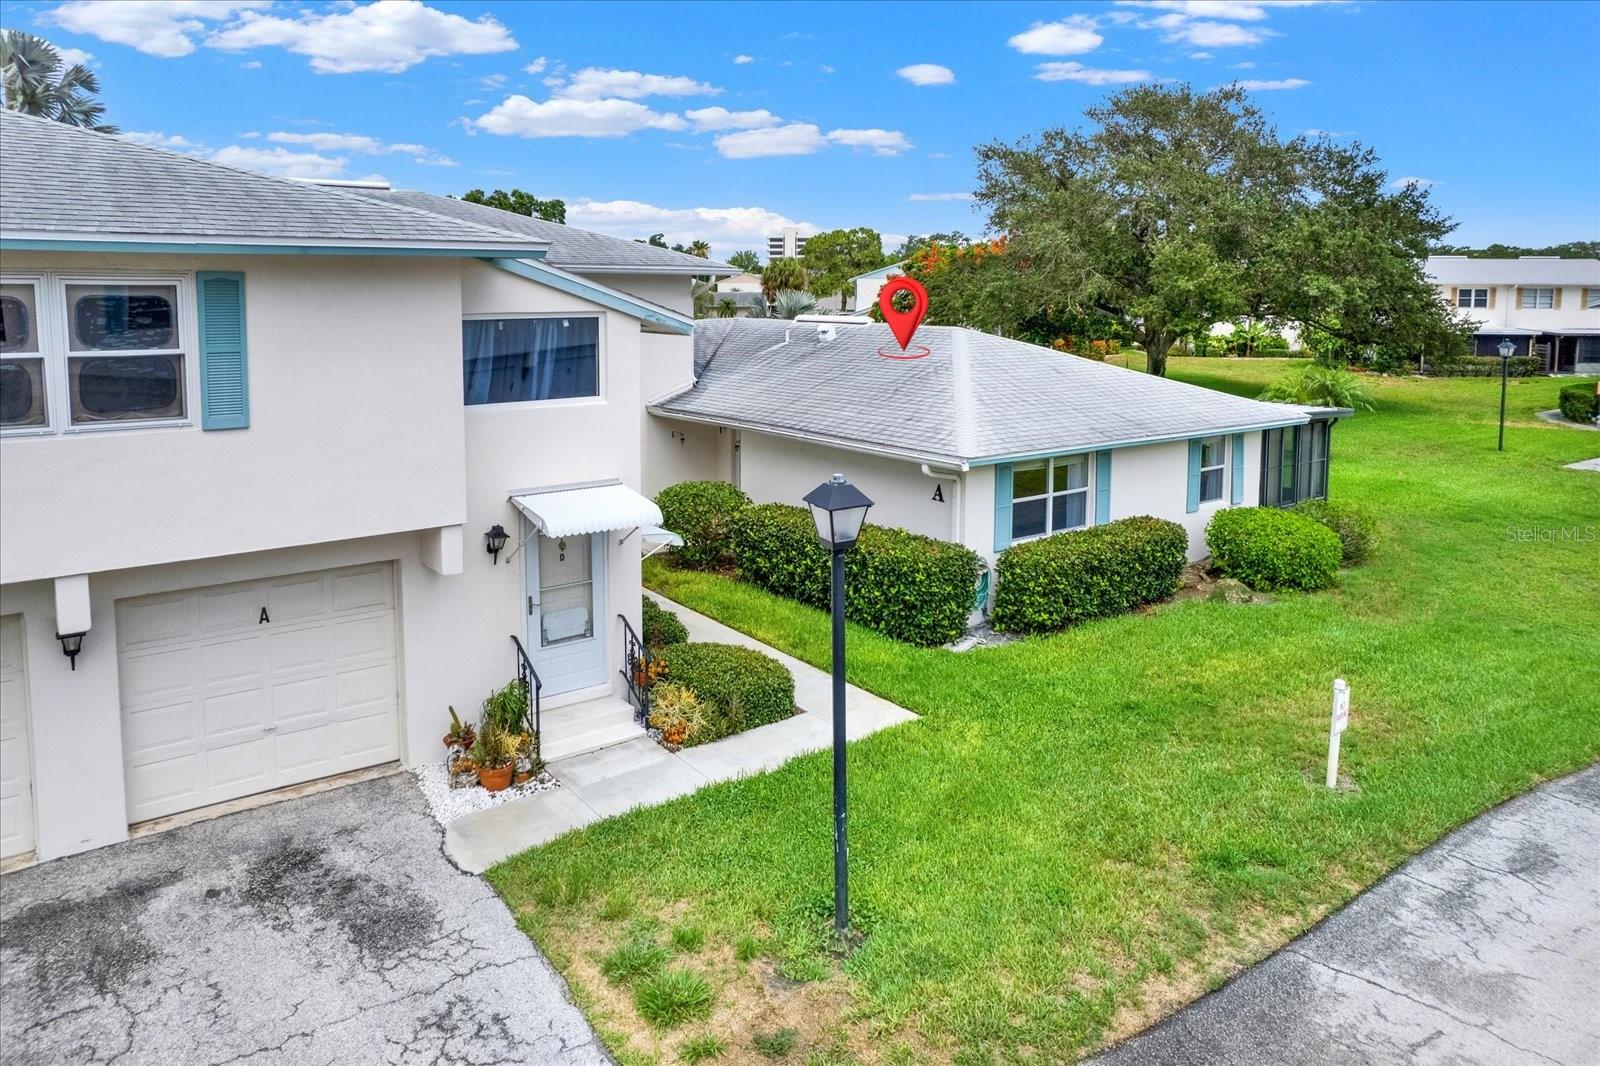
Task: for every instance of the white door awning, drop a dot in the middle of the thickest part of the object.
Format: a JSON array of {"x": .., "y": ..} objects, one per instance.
[{"x": 591, "y": 509}]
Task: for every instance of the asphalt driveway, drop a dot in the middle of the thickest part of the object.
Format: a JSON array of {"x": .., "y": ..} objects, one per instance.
[
  {"x": 1482, "y": 951},
  {"x": 328, "y": 929}
]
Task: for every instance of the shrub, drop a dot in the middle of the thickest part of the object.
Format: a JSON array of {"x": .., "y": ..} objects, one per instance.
[
  {"x": 1319, "y": 386},
  {"x": 910, "y": 587},
  {"x": 677, "y": 712},
  {"x": 1106, "y": 570},
  {"x": 700, "y": 512},
  {"x": 1351, "y": 524},
  {"x": 672, "y": 997},
  {"x": 740, "y": 688},
  {"x": 1267, "y": 548},
  {"x": 1580, "y": 402},
  {"x": 661, "y": 626}
]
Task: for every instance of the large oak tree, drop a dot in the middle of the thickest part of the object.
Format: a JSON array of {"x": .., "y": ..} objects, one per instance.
[{"x": 1174, "y": 209}]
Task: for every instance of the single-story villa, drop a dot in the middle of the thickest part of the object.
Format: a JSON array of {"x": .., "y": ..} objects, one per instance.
[{"x": 983, "y": 441}]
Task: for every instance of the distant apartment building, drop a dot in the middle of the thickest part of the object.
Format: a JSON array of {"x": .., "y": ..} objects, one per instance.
[
  {"x": 1546, "y": 307},
  {"x": 786, "y": 245}
]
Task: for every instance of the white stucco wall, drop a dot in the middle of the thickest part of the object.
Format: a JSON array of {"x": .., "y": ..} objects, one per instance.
[
  {"x": 1505, "y": 312},
  {"x": 1154, "y": 480},
  {"x": 355, "y": 426},
  {"x": 353, "y": 410}
]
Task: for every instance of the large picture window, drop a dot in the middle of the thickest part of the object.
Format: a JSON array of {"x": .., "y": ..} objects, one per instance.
[
  {"x": 124, "y": 359},
  {"x": 1049, "y": 496},
  {"x": 510, "y": 360}
]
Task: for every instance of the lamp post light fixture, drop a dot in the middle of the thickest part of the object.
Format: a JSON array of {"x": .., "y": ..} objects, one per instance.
[
  {"x": 839, "y": 510},
  {"x": 71, "y": 645},
  {"x": 496, "y": 539},
  {"x": 1507, "y": 349}
]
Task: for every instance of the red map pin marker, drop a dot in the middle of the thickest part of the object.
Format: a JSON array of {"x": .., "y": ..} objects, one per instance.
[{"x": 903, "y": 323}]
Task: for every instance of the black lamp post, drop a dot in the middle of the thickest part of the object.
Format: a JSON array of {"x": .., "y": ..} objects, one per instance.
[
  {"x": 1506, "y": 349},
  {"x": 839, "y": 509}
]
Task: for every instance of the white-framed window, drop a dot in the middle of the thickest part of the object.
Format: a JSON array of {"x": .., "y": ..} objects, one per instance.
[
  {"x": 1213, "y": 464},
  {"x": 1049, "y": 496},
  {"x": 92, "y": 352},
  {"x": 1472, "y": 297},
  {"x": 1591, "y": 299},
  {"x": 516, "y": 359},
  {"x": 1537, "y": 299},
  {"x": 24, "y": 398}
]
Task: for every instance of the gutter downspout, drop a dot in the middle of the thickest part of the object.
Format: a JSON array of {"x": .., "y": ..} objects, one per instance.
[{"x": 958, "y": 520}]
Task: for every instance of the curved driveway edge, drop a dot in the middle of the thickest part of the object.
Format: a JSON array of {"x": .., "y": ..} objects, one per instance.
[
  {"x": 328, "y": 929},
  {"x": 1484, "y": 949}
]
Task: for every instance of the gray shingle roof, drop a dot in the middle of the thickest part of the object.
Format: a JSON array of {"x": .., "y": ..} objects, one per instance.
[
  {"x": 57, "y": 180},
  {"x": 974, "y": 398},
  {"x": 570, "y": 249},
  {"x": 1530, "y": 270}
]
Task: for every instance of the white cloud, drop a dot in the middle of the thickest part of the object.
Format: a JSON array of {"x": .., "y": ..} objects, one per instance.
[
  {"x": 1071, "y": 36},
  {"x": 825, "y": 68},
  {"x": 537, "y": 66},
  {"x": 1418, "y": 183},
  {"x": 252, "y": 64},
  {"x": 876, "y": 141},
  {"x": 493, "y": 81},
  {"x": 172, "y": 142},
  {"x": 280, "y": 162},
  {"x": 594, "y": 83},
  {"x": 387, "y": 35},
  {"x": 1071, "y": 71},
  {"x": 1201, "y": 55},
  {"x": 727, "y": 229},
  {"x": 74, "y": 56},
  {"x": 1237, "y": 10},
  {"x": 927, "y": 74},
  {"x": 720, "y": 118},
  {"x": 360, "y": 144},
  {"x": 166, "y": 28},
  {"x": 937, "y": 197},
  {"x": 1248, "y": 64},
  {"x": 741, "y": 59},
  {"x": 1315, "y": 132},
  {"x": 1180, "y": 30},
  {"x": 1258, "y": 85},
  {"x": 796, "y": 138},
  {"x": 518, "y": 116}
]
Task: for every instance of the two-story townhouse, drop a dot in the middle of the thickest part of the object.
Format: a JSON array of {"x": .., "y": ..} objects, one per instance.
[
  {"x": 255, "y": 436},
  {"x": 1546, "y": 307}
]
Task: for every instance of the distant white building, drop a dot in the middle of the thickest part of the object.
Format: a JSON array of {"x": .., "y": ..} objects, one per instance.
[
  {"x": 871, "y": 283},
  {"x": 787, "y": 245},
  {"x": 1547, "y": 307}
]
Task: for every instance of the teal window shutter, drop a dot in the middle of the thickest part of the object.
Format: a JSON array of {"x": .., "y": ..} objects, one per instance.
[
  {"x": 224, "y": 368},
  {"x": 1102, "y": 487},
  {"x": 1238, "y": 468},
  {"x": 1002, "y": 506},
  {"x": 1194, "y": 475}
]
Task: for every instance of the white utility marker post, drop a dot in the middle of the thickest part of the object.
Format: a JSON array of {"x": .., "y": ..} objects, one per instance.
[{"x": 1341, "y": 718}]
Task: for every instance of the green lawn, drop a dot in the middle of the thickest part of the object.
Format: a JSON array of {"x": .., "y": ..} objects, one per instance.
[{"x": 1087, "y": 829}]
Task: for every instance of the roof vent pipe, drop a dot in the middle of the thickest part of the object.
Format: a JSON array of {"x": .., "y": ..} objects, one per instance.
[{"x": 826, "y": 331}]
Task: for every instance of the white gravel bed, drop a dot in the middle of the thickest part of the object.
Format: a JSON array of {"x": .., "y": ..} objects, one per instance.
[{"x": 448, "y": 804}]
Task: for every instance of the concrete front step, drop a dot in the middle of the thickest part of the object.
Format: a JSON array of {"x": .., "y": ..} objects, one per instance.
[{"x": 587, "y": 726}]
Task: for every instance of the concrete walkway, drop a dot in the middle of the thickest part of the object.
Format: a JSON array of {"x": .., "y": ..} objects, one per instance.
[
  {"x": 1482, "y": 951},
  {"x": 1562, "y": 420},
  {"x": 641, "y": 773}
]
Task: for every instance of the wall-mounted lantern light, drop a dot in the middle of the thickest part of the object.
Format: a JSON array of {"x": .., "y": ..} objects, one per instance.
[
  {"x": 71, "y": 645},
  {"x": 496, "y": 539}
]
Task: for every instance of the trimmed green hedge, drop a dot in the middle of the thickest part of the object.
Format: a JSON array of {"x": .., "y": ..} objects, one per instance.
[
  {"x": 1092, "y": 573},
  {"x": 1351, "y": 524},
  {"x": 661, "y": 626},
  {"x": 740, "y": 687},
  {"x": 1579, "y": 402},
  {"x": 1268, "y": 548},
  {"x": 700, "y": 512},
  {"x": 910, "y": 587}
]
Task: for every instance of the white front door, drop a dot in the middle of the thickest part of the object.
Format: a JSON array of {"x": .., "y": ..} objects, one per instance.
[
  {"x": 16, "y": 756},
  {"x": 242, "y": 688},
  {"x": 566, "y": 604}
]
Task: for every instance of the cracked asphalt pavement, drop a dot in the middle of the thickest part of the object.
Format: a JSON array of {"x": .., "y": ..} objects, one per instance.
[
  {"x": 1482, "y": 951},
  {"x": 327, "y": 929}
]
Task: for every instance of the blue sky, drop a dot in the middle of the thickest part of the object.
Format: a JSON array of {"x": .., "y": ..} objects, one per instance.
[{"x": 725, "y": 121}]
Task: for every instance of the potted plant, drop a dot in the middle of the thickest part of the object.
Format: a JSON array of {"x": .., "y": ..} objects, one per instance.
[
  {"x": 461, "y": 736},
  {"x": 677, "y": 712},
  {"x": 463, "y": 771},
  {"x": 527, "y": 746},
  {"x": 495, "y": 757}
]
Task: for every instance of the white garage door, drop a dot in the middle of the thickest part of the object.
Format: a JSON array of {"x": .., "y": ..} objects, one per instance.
[
  {"x": 237, "y": 689},
  {"x": 16, "y": 760}
]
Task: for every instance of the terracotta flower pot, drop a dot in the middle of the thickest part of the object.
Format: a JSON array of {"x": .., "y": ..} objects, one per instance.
[{"x": 495, "y": 780}]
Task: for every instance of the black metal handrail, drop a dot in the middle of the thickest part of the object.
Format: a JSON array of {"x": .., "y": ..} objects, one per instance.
[
  {"x": 528, "y": 678},
  {"x": 637, "y": 664}
]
